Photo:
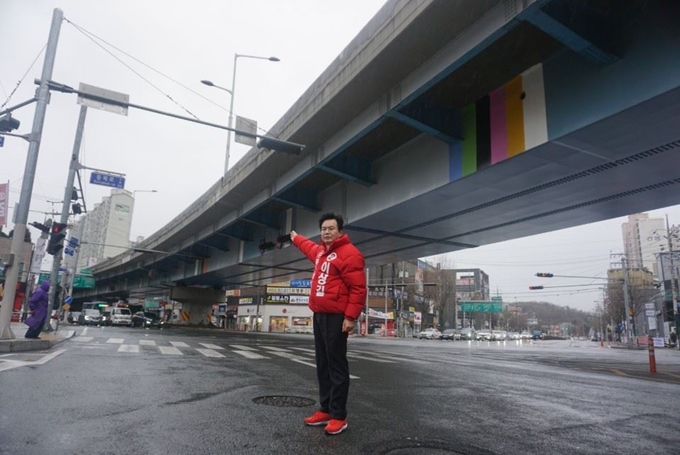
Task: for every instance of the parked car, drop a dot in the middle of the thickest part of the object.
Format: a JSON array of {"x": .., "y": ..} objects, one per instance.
[
  {"x": 146, "y": 319},
  {"x": 89, "y": 316},
  {"x": 430, "y": 334},
  {"x": 448, "y": 334}
]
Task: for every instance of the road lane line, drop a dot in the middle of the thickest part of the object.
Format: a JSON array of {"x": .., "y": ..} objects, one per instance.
[
  {"x": 83, "y": 339},
  {"x": 240, "y": 347},
  {"x": 311, "y": 351},
  {"x": 147, "y": 343},
  {"x": 211, "y": 346},
  {"x": 115, "y": 340},
  {"x": 274, "y": 348},
  {"x": 251, "y": 355},
  {"x": 314, "y": 366},
  {"x": 209, "y": 352},
  {"x": 370, "y": 359},
  {"x": 169, "y": 350},
  {"x": 128, "y": 348},
  {"x": 179, "y": 344}
]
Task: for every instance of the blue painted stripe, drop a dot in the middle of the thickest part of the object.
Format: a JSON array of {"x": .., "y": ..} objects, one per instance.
[{"x": 455, "y": 161}]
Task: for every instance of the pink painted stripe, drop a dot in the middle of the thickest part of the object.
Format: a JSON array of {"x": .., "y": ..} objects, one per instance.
[{"x": 499, "y": 127}]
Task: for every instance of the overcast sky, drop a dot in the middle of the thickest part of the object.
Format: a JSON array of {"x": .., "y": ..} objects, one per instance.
[{"x": 190, "y": 41}]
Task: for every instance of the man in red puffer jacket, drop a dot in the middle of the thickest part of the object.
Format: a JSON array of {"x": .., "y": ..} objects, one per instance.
[{"x": 337, "y": 297}]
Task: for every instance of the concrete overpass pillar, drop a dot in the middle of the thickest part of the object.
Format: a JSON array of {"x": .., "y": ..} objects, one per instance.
[{"x": 197, "y": 302}]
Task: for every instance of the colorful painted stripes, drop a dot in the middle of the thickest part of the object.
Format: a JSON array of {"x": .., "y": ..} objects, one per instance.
[{"x": 505, "y": 123}]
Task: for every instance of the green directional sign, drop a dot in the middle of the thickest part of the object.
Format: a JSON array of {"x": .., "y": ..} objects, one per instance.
[
  {"x": 83, "y": 282},
  {"x": 480, "y": 306},
  {"x": 497, "y": 298}
]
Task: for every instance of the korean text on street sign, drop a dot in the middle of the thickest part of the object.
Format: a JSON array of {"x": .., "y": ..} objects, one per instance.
[
  {"x": 480, "y": 306},
  {"x": 300, "y": 283},
  {"x": 114, "y": 181}
]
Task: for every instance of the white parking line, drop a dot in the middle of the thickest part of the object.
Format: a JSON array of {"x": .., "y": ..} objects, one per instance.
[
  {"x": 211, "y": 346},
  {"x": 370, "y": 359},
  {"x": 170, "y": 350},
  {"x": 128, "y": 348},
  {"x": 115, "y": 340},
  {"x": 209, "y": 352},
  {"x": 147, "y": 343},
  {"x": 311, "y": 351},
  {"x": 11, "y": 364},
  {"x": 179, "y": 344},
  {"x": 250, "y": 354}
]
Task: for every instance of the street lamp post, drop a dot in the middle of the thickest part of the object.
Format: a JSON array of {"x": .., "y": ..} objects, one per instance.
[{"x": 232, "y": 93}]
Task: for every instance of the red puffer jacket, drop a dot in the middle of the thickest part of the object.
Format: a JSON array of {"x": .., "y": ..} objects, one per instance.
[{"x": 339, "y": 280}]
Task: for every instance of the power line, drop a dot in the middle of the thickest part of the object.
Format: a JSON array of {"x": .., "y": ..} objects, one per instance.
[{"x": 23, "y": 77}]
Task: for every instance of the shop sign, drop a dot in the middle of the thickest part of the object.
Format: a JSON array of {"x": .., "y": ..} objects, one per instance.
[
  {"x": 299, "y": 299},
  {"x": 278, "y": 299},
  {"x": 245, "y": 301}
]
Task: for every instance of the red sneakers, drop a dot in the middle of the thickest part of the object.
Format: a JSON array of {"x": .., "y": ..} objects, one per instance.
[
  {"x": 318, "y": 418},
  {"x": 336, "y": 426}
]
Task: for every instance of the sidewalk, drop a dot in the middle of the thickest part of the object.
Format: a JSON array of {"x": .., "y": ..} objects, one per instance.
[{"x": 46, "y": 341}]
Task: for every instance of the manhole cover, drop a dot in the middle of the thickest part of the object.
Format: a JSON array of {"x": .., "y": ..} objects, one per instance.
[{"x": 284, "y": 401}]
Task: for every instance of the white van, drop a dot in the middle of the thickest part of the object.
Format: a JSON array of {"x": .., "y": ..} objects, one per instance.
[{"x": 121, "y": 316}]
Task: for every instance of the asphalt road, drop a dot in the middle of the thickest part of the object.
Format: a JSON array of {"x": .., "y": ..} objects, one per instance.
[{"x": 143, "y": 391}]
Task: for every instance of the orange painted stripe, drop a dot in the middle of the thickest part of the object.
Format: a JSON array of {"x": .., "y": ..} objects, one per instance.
[{"x": 514, "y": 111}]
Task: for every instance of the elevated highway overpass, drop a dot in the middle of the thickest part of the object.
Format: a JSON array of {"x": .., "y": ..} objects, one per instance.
[{"x": 443, "y": 125}]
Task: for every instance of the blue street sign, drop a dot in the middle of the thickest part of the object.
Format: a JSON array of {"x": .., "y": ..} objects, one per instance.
[
  {"x": 73, "y": 242},
  {"x": 68, "y": 299},
  {"x": 300, "y": 283},
  {"x": 68, "y": 251},
  {"x": 114, "y": 181},
  {"x": 2, "y": 141}
]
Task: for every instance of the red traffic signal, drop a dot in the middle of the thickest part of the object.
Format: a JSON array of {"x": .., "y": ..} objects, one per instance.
[
  {"x": 56, "y": 242},
  {"x": 533, "y": 288},
  {"x": 544, "y": 275}
]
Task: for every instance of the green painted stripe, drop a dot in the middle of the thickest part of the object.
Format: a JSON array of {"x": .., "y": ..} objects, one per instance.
[{"x": 469, "y": 140}]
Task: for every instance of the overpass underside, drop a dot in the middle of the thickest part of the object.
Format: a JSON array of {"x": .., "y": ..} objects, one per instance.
[{"x": 445, "y": 125}]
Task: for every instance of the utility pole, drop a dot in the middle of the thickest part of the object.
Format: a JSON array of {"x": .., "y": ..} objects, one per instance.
[
  {"x": 21, "y": 212},
  {"x": 626, "y": 302},
  {"x": 65, "y": 209},
  {"x": 674, "y": 283}
]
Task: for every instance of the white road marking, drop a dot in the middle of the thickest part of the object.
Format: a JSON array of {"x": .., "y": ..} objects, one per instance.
[
  {"x": 170, "y": 350},
  {"x": 147, "y": 343},
  {"x": 6, "y": 364},
  {"x": 83, "y": 339},
  {"x": 351, "y": 376},
  {"x": 250, "y": 354},
  {"x": 370, "y": 359},
  {"x": 240, "y": 347},
  {"x": 128, "y": 348},
  {"x": 211, "y": 346},
  {"x": 209, "y": 352},
  {"x": 115, "y": 340},
  {"x": 274, "y": 348},
  {"x": 311, "y": 351},
  {"x": 179, "y": 344}
]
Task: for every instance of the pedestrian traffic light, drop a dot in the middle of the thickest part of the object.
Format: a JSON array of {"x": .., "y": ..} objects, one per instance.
[
  {"x": 545, "y": 275},
  {"x": 7, "y": 123},
  {"x": 534, "y": 288},
  {"x": 56, "y": 242}
]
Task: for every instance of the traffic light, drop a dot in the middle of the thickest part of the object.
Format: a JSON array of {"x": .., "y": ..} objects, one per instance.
[
  {"x": 544, "y": 275},
  {"x": 40, "y": 226},
  {"x": 56, "y": 242},
  {"x": 534, "y": 288},
  {"x": 7, "y": 123}
]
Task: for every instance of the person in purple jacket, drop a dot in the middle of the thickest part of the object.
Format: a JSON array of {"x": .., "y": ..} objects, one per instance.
[{"x": 38, "y": 309}]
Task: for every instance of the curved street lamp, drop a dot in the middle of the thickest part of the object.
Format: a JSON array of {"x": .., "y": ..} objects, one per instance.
[{"x": 232, "y": 92}]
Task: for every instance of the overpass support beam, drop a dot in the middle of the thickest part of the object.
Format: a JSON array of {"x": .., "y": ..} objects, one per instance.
[
  {"x": 432, "y": 121},
  {"x": 306, "y": 200},
  {"x": 569, "y": 38},
  {"x": 350, "y": 168}
]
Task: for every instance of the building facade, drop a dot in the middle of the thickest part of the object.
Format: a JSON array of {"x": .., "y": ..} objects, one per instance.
[
  {"x": 105, "y": 231},
  {"x": 643, "y": 240}
]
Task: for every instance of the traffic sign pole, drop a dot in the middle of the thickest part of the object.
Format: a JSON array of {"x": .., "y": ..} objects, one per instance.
[{"x": 21, "y": 212}]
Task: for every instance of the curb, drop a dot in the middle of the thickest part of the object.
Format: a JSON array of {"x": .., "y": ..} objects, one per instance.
[{"x": 23, "y": 345}]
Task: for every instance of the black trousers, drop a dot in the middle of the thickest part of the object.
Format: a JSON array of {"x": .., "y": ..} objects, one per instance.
[
  {"x": 332, "y": 368},
  {"x": 33, "y": 333}
]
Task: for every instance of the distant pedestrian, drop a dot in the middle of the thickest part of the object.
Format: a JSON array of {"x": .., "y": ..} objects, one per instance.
[
  {"x": 38, "y": 310},
  {"x": 337, "y": 298}
]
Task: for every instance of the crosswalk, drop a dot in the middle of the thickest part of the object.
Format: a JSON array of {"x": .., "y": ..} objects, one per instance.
[{"x": 301, "y": 355}]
